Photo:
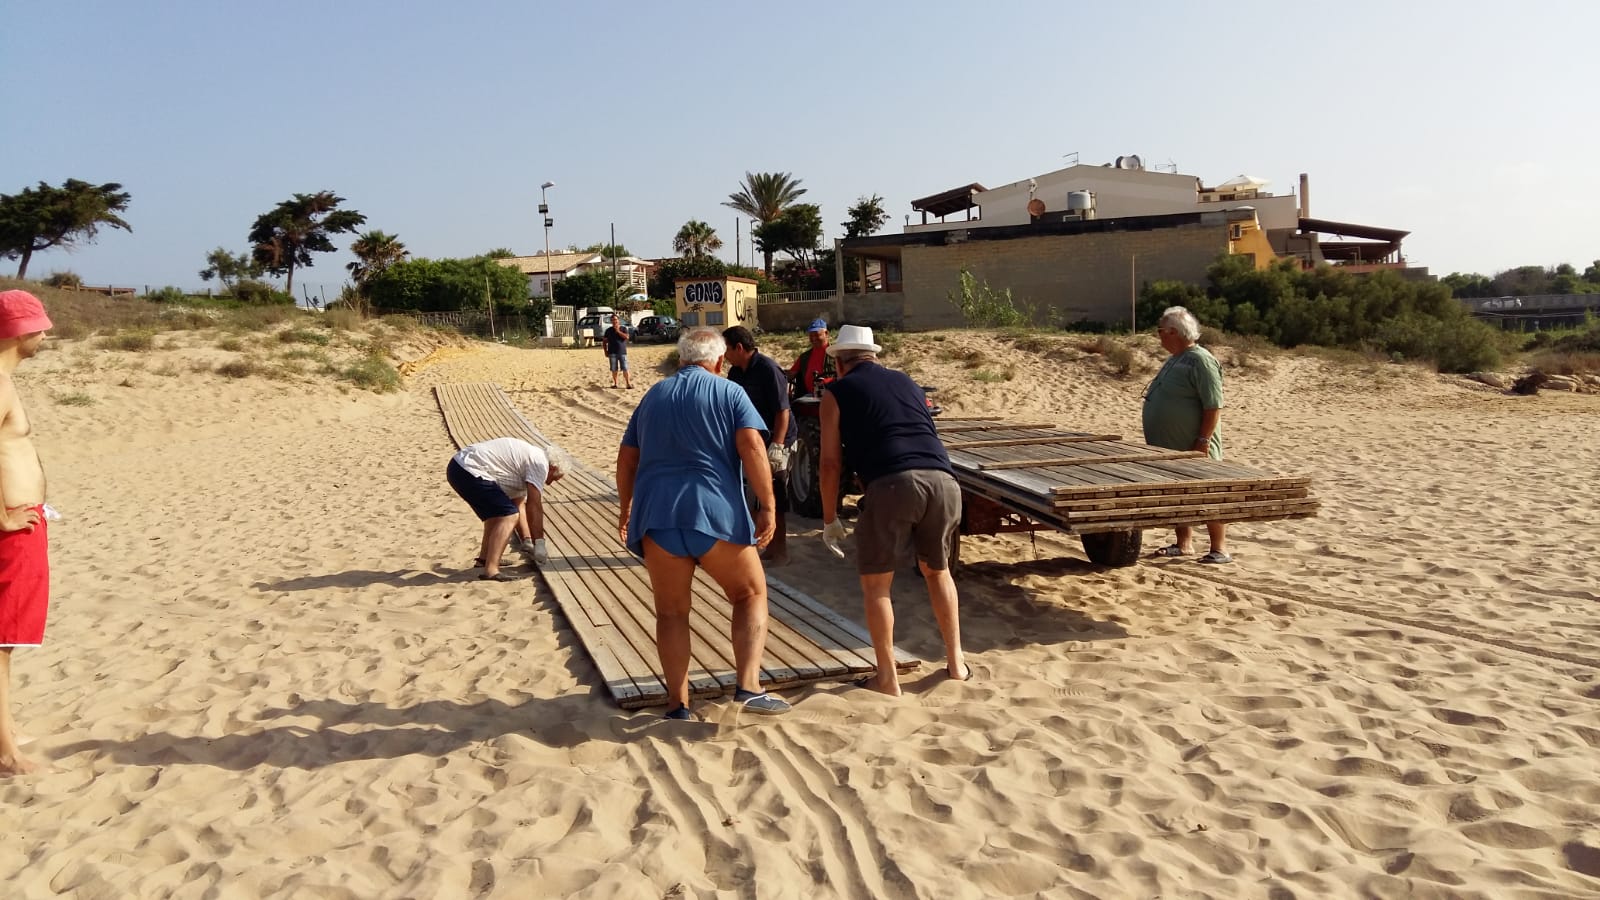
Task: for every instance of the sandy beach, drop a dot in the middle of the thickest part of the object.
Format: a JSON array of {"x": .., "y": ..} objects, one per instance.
[{"x": 269, "y": 671}]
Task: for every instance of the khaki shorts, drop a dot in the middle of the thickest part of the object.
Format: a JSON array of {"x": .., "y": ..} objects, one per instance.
[{"x": 919, "y": 509}]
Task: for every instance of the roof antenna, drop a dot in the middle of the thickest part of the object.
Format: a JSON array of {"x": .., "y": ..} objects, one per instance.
[{"x": 1072, "y": 156}]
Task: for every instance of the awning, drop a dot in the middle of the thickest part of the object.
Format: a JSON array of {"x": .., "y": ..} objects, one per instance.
[{"x": 948, "y": 202}]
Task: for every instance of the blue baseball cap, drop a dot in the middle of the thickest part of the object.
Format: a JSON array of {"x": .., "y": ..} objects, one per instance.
[{"x": 818, "y": 325}]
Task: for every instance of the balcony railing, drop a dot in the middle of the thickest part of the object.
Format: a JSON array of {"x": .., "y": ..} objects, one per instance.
[{"x": 797, "y": 296}]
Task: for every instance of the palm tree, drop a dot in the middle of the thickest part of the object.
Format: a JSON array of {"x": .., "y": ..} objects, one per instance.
[
  {"x": 764, "y": 196},
  {"x": 696, "y": 239},
  {"x": 374, "y": 252},
  {"x": 286, "y": 236}
]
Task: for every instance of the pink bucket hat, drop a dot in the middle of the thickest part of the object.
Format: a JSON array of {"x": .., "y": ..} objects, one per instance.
[{"x": 21, "y": 313}]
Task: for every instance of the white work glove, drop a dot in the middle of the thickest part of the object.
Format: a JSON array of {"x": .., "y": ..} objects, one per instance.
[
  {"x": 541, "y": 554},
  {"x": 833, "y": 537},
  {"x": 778, "y": 456}
]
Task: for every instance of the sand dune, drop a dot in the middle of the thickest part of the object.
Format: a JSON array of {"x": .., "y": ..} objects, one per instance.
[{"x": 269, "y": 674}]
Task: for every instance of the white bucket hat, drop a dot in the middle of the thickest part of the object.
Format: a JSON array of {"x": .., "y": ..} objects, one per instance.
[{"x": 853, "y": 337}]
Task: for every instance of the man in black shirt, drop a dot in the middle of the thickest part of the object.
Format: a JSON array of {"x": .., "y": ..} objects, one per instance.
[
  {"x": 768, "y": 388},
  {"x": 877, "y": 420},
  {"x": 616, "y": 344}
]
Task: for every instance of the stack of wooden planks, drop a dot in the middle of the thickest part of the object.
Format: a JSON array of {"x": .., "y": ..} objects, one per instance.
[{"x": 1085, "y": 483}]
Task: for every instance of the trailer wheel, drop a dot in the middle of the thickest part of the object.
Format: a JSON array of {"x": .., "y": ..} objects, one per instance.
[{"x": 1113, "y": 548}]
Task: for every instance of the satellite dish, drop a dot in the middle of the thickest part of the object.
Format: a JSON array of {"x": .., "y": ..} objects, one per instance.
[{"x": 1036, "y": 207}]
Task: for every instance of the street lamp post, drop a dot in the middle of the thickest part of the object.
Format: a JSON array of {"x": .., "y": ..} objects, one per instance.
[{"x": 544, "y": 213}]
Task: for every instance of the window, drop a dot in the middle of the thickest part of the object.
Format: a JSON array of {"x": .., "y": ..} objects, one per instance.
[
  {"x": 714, "y": 317},
  {"x": 691, "y": 318},
  {"x": 1235, "y": 232}
]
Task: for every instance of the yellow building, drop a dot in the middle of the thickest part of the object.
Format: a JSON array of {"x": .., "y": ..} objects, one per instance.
[{"x": 716, "y": 302}]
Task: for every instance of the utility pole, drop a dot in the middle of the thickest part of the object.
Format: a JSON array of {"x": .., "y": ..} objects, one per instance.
[
  {"x": 1133, "y": 294},
  {"x": 614, "y": 279},
  {"x": 738, "y": 242},
  {"x": 544, "y": 213}
]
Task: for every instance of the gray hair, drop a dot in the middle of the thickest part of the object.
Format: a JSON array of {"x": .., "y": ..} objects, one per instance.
[
  {"x": 850, "y": 357},
  {"x": 1183, "y": 322},
  {"x": 700, "y": 346},
  {"x": 559, "y": 459}
]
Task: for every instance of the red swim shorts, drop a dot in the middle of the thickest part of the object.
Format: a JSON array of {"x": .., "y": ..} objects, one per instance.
[{"x": 24, "y": 585}]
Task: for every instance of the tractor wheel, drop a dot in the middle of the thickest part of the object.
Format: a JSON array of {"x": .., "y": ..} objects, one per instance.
[
  {"x": 1113, "y": 548},
  {"x": 805, "y": 481}
]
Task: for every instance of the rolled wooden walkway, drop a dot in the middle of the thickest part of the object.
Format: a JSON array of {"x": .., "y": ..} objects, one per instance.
[{"x": 605, "y": 592}]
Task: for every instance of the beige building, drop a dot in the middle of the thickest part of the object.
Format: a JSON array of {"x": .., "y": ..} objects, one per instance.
[
  {"x": 1115, "y": 190},
  {"x": 543, "y": 271},
  {"x": 716, "y": 302}
]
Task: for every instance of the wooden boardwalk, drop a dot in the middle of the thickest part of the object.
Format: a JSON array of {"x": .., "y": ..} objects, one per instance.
[{"x": 605, "y": 592}]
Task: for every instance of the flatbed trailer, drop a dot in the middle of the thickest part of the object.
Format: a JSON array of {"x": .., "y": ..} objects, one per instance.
[{"x": 1023, "y": 477}]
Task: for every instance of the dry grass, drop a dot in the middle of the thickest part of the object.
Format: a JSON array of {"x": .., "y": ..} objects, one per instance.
[
  {"x": 74, "y": 399},
  {"x": 231, "y": 344},
  {"x": 989, "y": 376},
  {"x": 1564, "y": 362},
  {"x": 139, "y": 341},
  {"x": 237, "y": 368}
]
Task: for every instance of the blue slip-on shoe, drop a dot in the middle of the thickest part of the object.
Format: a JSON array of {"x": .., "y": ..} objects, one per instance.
[{"x": 763, "y": 703}]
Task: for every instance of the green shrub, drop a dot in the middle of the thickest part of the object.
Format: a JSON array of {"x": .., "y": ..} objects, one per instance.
[
  {"x": 373, "y": 372},
  {"x": 985, "y": 307},
  {"x": 64, "y": 280},
  {"x": 168, "y": 294},
  {"x": 259, "y": 293},
  {"x": 305, "y": 336}
]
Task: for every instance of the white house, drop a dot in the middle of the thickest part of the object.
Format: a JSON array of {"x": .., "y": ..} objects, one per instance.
[{"x": 542, "y": 271}]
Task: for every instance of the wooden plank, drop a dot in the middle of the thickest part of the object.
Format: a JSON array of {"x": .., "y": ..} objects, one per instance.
[
  {"x": 1114, "y": 503},
  {"x": 1050, "y": 439},
  {"x": 1216, "y": 512},
  {"x": 989, "y": 426},
  {"x": 1095, "y": 527},
  {"x": 1088, "y": 460}
]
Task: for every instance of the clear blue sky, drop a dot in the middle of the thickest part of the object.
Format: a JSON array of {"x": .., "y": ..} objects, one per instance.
[{"x": 1469, "y": 123}]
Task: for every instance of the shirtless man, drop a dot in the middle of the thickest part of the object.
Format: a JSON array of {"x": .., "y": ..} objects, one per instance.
[{"x": 24, "y": 564}]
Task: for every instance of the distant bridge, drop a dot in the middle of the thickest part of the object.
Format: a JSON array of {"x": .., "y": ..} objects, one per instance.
[{"x": 1537, "y": 311}]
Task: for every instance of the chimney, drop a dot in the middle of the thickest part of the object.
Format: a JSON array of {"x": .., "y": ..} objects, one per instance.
[{"x": 1305, "y": 196}]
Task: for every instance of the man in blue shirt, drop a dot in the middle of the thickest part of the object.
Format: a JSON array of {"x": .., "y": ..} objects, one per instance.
[
  {"x": 877, "y": 420},
  {"x": 681, "y": 491},
  {"x": 768, "y": 388}
]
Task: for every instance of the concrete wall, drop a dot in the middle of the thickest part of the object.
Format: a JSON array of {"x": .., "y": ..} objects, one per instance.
[{"x": 1082, "y": 277}]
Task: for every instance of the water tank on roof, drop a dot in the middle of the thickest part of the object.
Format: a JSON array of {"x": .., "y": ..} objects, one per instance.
[{"x": 1079, "y": 201}]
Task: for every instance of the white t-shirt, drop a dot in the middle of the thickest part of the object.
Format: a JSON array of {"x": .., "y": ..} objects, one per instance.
[{"x": 509, "y": 462}]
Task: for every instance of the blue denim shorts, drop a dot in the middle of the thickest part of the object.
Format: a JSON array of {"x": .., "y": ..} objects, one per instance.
[
  {"x": 484, "y": 496},
  {"x": 619, "y": 363}
]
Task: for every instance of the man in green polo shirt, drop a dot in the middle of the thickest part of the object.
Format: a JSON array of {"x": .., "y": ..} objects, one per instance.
[{"x": 1183, "y": 410}]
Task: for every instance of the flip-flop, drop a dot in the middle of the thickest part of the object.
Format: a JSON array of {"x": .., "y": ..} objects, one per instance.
[
  {"x": 679, "y": 714},
  {"x": 1215, "y": 558},
  {"x": 971, "y": 675},
  {"x": 498, "y": 576},
  {"x": 1169, "y": 551}
]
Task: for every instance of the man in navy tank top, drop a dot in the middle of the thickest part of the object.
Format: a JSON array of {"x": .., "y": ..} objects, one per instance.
[{"x": 876, "y": 419}]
